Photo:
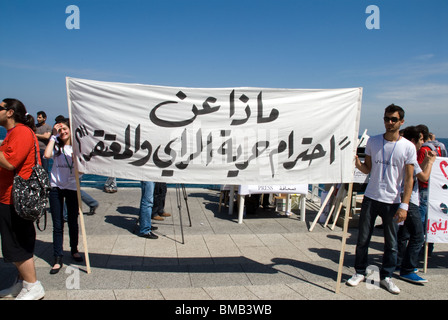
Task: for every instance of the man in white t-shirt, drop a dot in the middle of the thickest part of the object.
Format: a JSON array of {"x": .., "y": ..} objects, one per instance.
[{"x": 390, "y": 161}]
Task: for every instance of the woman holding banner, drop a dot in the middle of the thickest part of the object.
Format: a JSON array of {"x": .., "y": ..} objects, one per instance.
[
  {"x": 18, "y": 236},
  {"x": 63, "y": 189}
]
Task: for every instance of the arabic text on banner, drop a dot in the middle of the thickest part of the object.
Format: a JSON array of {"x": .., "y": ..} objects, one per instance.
[{"x": 214, "y": 135}]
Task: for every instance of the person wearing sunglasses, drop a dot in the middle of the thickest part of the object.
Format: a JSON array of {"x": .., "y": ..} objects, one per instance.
[
  {"x": 390, "y": 162},
  {"x": 18, "y": 236}
]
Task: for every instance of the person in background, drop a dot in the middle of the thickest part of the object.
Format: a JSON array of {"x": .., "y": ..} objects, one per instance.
[
  {"x": 64, "y": 190},
  {"x": 158, "y": 210},
  {"x": 18, "y": 236},
  {"x": 145, "y": 213},
  {"x": 411, "y": 233},
  {"x": 43, "y": 133}
]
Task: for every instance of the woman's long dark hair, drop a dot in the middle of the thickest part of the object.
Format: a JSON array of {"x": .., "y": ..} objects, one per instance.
[{"x": 20, "y": 113}]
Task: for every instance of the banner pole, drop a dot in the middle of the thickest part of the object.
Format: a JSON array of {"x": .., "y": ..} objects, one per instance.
[
  {"x": 344, "y": 236},
  {"x": 78, "y": 185},
  {"x": 81, "y": 220}
]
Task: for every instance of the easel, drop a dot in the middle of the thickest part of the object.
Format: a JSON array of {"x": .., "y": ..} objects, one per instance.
[
  {"x": 337, "y": 203},
  {"x": 180, "y": 187}
]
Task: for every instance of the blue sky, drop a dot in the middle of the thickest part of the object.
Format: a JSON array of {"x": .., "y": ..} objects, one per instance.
[{"x": 232, "y": 43}]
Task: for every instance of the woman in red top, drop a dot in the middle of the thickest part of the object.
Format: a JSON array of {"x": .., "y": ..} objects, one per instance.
[{"x": 18, "y": 236}]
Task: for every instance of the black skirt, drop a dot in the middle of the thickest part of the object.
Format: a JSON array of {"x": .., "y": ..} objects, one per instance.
[{"x": 18, "y": 235}]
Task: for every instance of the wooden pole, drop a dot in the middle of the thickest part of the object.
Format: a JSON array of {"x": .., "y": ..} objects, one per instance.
[
  {"x": 78, "y": 185},
  {"x": 81, "y": 222},
  {"x": 344, "y": 237}
]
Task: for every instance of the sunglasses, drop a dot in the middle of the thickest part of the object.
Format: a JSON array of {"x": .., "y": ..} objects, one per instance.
[
  {"x": 3, "y": 108},
  {"x": 393, "y": 119}
]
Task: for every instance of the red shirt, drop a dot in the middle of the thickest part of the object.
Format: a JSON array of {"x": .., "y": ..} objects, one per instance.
[
  {"x": 420, "y": 157},
  {"x": 18, "y": 149}
]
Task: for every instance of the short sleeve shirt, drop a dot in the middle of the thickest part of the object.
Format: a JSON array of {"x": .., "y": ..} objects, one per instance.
[
  {"x": 388, "y": 167},
  {"x": 18, "y": 149}
]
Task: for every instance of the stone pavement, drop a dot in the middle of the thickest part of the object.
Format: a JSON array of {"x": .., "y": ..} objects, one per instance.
[{"x": 268, "y": 257}]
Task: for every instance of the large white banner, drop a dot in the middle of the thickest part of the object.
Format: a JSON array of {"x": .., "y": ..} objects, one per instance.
[
  {"x": 214, "y": 135},
  {"x": 437, "y": 226}
]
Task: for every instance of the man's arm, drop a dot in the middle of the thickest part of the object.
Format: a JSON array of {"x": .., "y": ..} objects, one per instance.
[
  {"x": 45, "y": 135},
  {"x": 401, "y": 214},
  {"x": 426, "y": 166},
  {"x": 365, "y": 166}
]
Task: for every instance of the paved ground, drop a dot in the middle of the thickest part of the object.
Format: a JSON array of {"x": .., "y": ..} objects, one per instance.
[{"x": 268, "y": 257}]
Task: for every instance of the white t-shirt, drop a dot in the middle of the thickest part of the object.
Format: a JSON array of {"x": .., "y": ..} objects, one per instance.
[
  {"x": 388, "y": 167},
  {"x": 63, "y": 170}
]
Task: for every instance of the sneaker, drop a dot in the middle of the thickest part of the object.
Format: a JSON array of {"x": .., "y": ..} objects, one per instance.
[
  {"x": 413, "y": 277},
  {"x": 149, "y": 235},
  {"x": 31, "y": 291},
  {"x": 355, "y": 279},
  {"x": 12, "y": 291},
  {"x": 389, "y": 285}
]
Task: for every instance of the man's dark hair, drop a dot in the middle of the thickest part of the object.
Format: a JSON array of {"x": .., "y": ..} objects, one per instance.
[
  {"x": 394, "y": 108},
  {"x": 411, "y": 133},
  {"x": 424, "y": 130},
  {"x": 42, "y": 113}
]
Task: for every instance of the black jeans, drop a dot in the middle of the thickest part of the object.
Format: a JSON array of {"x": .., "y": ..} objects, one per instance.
[{"x": 57, "y": 197}]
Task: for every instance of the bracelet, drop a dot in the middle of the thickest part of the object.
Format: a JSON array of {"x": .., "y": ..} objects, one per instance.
[{"x": 404, "y": 206}]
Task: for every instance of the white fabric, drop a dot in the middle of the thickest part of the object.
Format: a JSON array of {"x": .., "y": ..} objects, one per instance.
[
  {"x": 61, "y": 176},
  {"x": 214, "y": 135},
  {"x": 391, "y": 162},
  {"x": 438, "y": 202}
]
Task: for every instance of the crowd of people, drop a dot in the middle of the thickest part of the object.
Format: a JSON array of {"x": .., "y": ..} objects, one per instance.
[{"x": 395, "y": 161}]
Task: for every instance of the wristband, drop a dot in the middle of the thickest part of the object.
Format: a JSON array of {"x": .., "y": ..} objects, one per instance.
[
  {"x": 404, "y": 206},
  {"x": 54, "y": 138}
]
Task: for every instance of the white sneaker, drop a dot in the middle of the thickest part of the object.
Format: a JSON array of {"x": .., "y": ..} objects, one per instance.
[
  {"x": 389, "y": 285},
  {"x": 12, "y": 291},
  {"x": 31, "y": 291},
  {"x": 355, "y": 279}
]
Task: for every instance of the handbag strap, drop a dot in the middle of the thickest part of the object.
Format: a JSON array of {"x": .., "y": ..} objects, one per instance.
[{"x": 34, "y": 140}]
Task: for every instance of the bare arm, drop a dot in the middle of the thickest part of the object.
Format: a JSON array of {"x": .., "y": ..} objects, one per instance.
[
  {"x": 5, "y": 163},
  {"x": 426, "y": 166},
  {"x": 408, "y": 184},
  {"x": 365, "y": 166}
]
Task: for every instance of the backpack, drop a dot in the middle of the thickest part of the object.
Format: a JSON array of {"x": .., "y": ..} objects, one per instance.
[
  {"x": 437, "y": 146},
  {"x": 30, "y": 196}
]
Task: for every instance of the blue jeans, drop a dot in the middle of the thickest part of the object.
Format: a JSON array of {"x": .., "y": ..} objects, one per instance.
[
  {"x": 370, "y": 210},
  {"x": 410, "y": 240},
  {"x": 57, "y": 197},
  {"x": 146, "y": 204},
  {"x": 423, "y": 208},
  {"x": 88, "y": 200}
]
